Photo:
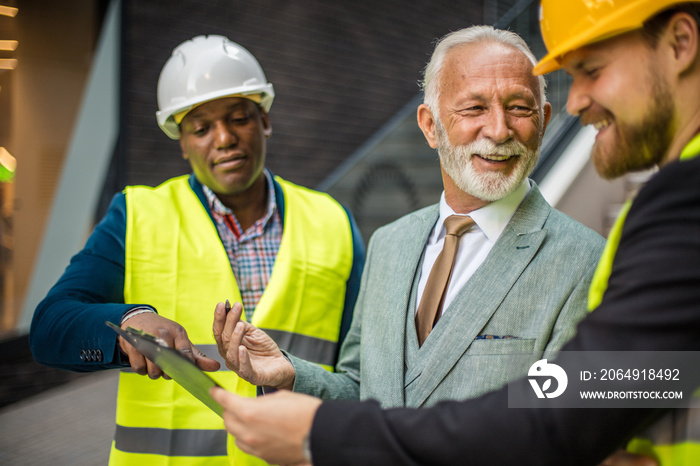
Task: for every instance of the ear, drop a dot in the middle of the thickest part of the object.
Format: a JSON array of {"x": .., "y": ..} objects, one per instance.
[
  {"x": 682, "y": 35},
  {"x": 426, "y": 122},
  {"x": 267, "y": 126},
  {"x": 547, "y": 115},
  {"x": 182, "y": 148}
]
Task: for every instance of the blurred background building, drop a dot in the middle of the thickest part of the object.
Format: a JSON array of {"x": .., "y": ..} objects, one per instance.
[{"x": 77, "y": 122}]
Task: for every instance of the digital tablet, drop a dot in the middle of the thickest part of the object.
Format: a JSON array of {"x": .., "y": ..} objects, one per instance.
[{"x": 173, "y": 363}]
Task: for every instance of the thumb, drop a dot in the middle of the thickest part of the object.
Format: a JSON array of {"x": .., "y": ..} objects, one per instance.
[
  {"x": 219, "y": 321},
  {"x": 226, "y": 399},
  {"x": 203, "y": 362}
]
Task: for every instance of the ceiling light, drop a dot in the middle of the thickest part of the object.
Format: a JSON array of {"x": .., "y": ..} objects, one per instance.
[
  {"x": 8, "y": 11},
  {"x": 8, "y": 63},
  {"x": 8, "y": 44}
]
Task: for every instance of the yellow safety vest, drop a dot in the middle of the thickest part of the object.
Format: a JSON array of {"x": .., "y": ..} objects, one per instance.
[
  {"x": 667, "y": 441},
  {"x": 175, "y": 261}
]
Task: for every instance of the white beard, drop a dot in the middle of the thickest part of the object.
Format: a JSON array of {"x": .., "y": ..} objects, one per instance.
[{"x": 487, "y": 186}]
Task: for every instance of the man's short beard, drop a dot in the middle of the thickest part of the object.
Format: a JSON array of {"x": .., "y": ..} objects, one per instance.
[
  {"x": 643, "y": 145},
  {"x": 487, "y": 186}
]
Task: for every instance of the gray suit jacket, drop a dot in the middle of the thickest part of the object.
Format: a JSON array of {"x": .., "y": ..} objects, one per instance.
[{"x": 533, "y": 286}]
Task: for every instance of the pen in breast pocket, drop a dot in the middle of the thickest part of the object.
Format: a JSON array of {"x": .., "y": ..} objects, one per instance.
[{"x": 227, "y": 307}]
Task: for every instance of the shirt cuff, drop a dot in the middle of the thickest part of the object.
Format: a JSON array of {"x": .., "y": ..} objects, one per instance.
[{"x": 136, "y": 311}]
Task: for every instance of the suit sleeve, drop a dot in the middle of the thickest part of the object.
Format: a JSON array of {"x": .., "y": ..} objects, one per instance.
[
  {"x": 652, "y": 304},
  {"x": 68, "y": 329}
]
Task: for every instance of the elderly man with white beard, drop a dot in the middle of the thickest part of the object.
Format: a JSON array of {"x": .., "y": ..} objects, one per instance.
[{"x": 518, "y": 281}]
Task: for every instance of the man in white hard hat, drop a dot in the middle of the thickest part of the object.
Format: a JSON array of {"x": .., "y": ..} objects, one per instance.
[
  {"x": 635, "y": 66},
  {"x": 163, "y": 257}
]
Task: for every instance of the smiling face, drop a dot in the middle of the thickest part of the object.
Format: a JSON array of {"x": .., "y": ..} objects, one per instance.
[
  {"x": 490, "y": 122},
  {"x": 225, "y": 141},
  {"x": 508, "y": 165},
  {"x": 617, "y": 89}
]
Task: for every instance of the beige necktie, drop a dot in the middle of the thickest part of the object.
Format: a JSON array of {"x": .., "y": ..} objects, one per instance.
[{"x": 434, "y": 294}]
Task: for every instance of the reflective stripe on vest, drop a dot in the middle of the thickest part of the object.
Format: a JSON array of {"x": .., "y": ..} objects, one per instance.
[
  {"x": 674, "y": 440},
  {"x": 312, "y": 349},
  {"x": 179, "y": 442},
  {"x": 176, "y": 262}
]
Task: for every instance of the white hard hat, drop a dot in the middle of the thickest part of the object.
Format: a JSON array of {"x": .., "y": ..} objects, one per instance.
[{"x": 205, "y": 68}]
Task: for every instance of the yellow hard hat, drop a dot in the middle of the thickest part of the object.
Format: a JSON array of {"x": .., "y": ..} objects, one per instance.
[{"x": 569, "y": 24}]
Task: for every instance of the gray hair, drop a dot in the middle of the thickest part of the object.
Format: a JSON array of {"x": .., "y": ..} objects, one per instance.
[{"x": 471, "y": 35}]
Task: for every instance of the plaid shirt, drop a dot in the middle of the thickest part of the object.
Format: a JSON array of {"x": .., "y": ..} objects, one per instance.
[{"x": 252, "y": 252}]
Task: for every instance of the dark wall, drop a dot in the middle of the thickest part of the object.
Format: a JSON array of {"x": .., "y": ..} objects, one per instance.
[{"x": 340, "y": 71}]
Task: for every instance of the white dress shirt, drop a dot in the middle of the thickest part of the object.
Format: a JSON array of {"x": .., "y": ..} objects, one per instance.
[{"x": 474, "y": 245}]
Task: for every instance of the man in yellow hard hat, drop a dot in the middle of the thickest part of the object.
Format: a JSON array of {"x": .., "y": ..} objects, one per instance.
[
  {"x": 635, "y": 66},
  {"x": 163, "y": 257},
  {"x": 624, "y": 145}
]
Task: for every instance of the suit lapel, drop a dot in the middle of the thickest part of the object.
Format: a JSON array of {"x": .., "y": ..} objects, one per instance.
[{"x": 481, "y": 296}]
